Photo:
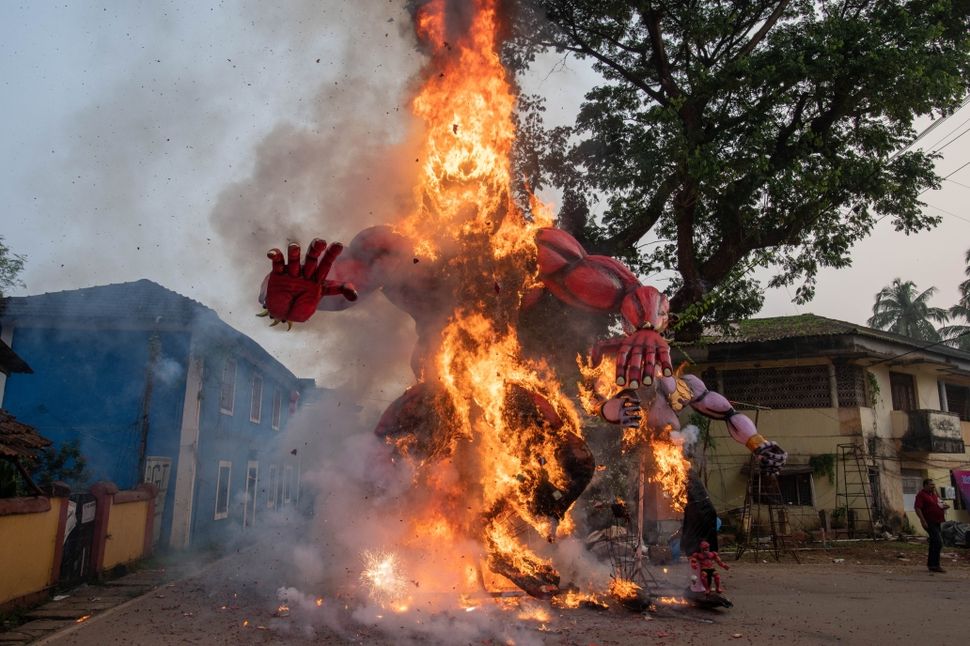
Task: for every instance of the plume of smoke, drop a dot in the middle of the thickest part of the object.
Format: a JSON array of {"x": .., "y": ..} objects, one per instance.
[
  {"x": 348, "y": 165},
  {"x": 686, "y": 437},
  {"x": 168, "y": 370}
]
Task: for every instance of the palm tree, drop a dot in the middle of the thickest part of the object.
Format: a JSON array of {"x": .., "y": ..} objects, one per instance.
[
  {"x": 898, "y": 308},
  {"x": 960, "y": 333}
]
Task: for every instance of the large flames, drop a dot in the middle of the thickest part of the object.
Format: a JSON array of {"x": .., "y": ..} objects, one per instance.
[
  {"x": 502, "y": 444},
  {"x": 666, "y": 456},
  {"x": 466, "y": 106},
  {"x": 466, "y": 221}
]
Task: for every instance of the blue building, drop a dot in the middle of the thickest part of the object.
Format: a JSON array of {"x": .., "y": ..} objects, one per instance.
[{"x": 155, "y": 387}]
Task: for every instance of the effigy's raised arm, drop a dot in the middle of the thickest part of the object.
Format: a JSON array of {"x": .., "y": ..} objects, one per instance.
[
  {"x": 331, "y": 277},
  {"x": 603, "y": 284},
  {"x": 713, "y": 405},
  {"x": 291, "y": 292}
]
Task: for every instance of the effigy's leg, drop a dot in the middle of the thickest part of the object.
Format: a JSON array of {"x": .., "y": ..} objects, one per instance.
[
  {"x": 555, "y": 467},
  {"x": 417, "y": 424}
]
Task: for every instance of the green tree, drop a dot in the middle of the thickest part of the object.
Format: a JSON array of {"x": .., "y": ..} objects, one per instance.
[
  {"x": 744, "y": 134},
  {"x": 960, "y": 333},
  {"x": 66, "y": 464},
  {"x": 899, "y": 309},
  {"x": 11, "y": 265}
]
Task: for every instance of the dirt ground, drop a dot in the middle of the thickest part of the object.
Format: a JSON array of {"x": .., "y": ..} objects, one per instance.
[{"x": 859, "y": 593}]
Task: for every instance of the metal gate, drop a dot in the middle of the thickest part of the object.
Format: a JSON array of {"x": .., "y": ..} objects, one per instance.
[{"x": 78, "y": 539}]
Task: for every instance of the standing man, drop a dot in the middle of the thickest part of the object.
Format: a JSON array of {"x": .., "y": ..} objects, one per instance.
[{"x": 931, "y": 514}]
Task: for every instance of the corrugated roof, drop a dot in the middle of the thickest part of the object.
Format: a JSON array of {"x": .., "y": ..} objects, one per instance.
[
  {"x": 18, "y": 439},
  {"x": 141, "y": 301}
]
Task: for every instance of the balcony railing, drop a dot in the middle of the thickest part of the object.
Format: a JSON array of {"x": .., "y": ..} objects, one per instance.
[{"x": 933, "y": 431}]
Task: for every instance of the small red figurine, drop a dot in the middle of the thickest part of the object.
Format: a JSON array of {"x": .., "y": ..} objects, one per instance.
[{"x": 703, "y": 561}]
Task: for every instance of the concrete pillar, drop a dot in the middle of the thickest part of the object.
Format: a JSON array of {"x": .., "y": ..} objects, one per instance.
[
  {"x": 833, "y": 386},
  {"x": 104, "y": 493}
]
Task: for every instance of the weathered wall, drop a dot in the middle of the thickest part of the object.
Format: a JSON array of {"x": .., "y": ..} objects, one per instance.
[
  {"x": 28, "y": 545},
  {"x": 125, "y": 541}
]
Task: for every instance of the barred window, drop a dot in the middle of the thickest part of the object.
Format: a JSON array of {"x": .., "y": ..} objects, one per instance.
[
  {"x": 795, "y": 489},
  {"x": 851, "y": 384},
  {"x": 786, "y": 387}
]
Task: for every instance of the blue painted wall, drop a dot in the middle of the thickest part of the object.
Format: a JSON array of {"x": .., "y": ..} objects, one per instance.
[
  {"x": 90, "y": 385},
  {"x": 236, "y": 439}
]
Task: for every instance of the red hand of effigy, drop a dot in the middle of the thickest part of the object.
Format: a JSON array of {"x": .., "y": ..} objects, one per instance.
[
  {"x": 637, "y": 356},
  {"x": 293, "y": 291}
]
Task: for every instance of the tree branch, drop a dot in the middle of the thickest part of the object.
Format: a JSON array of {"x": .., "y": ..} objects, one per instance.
[
  {"x": 583, "y": 47},
  {"x": 765, "y": 28},
  {"x": 651, "y": 19}
]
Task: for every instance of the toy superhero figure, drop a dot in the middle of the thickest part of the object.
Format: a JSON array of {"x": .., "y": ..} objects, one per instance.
[
  {"x": 703, "y": 561},
  {"x": 420, "y": 423}
]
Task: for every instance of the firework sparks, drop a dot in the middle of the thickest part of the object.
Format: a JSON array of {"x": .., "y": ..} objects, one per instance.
[{"x": 384, "y": 580}]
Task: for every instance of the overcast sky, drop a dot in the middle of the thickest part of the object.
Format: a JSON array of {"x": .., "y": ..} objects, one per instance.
[{"x": 177, "y": 141}]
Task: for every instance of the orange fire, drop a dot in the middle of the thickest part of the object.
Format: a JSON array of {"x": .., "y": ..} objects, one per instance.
[
  {"x": 466, "y": 220},
  {"x": 672, "y": 601},
  {"x": 624, "y": 589},
  {"x": 671, "y": 469},
  {"x": 466, "y": 106},
  {"x": 574, "y": 599}
]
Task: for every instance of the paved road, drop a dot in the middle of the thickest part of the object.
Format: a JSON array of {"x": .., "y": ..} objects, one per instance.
[{"x": 235, "y": 601}]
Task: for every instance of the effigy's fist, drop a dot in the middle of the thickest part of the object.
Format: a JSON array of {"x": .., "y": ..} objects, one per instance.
[
  {"x": 637, "y": 357},
  {"x": 771, "y": 458},
  {"x": 631, "y": 414},
  {"x": 292, "y": 291}
]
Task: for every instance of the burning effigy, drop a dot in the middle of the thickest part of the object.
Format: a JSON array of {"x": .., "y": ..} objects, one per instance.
[{"x": 493, "y": 446}]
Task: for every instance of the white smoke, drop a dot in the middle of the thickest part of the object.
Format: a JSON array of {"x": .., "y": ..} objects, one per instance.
[{"x": 686, "y": 437}]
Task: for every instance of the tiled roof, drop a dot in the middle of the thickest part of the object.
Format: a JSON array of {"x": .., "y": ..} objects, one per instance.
[
  {"x": 139, "y": 301},
  {"x": 18, "y": 439},
  {"x": 811, "y": 325},
  {"x": 782, "y": 327}
]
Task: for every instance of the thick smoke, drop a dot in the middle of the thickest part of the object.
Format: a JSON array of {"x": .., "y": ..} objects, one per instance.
[
  {"x": 347, "y": 165},
  {"x": 207, "y": 137}
]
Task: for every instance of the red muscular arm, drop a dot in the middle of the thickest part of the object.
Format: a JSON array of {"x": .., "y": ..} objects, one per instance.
[
  {"x": 293, "y": 292},
  {"x": 603, "y": 284}
]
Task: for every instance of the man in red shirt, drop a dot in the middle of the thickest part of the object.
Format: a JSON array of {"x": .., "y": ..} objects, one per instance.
[{"x": 931, "y": 515}]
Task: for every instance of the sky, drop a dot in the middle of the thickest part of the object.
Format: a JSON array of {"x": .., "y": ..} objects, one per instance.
[{"x": 178, "y": 141}]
